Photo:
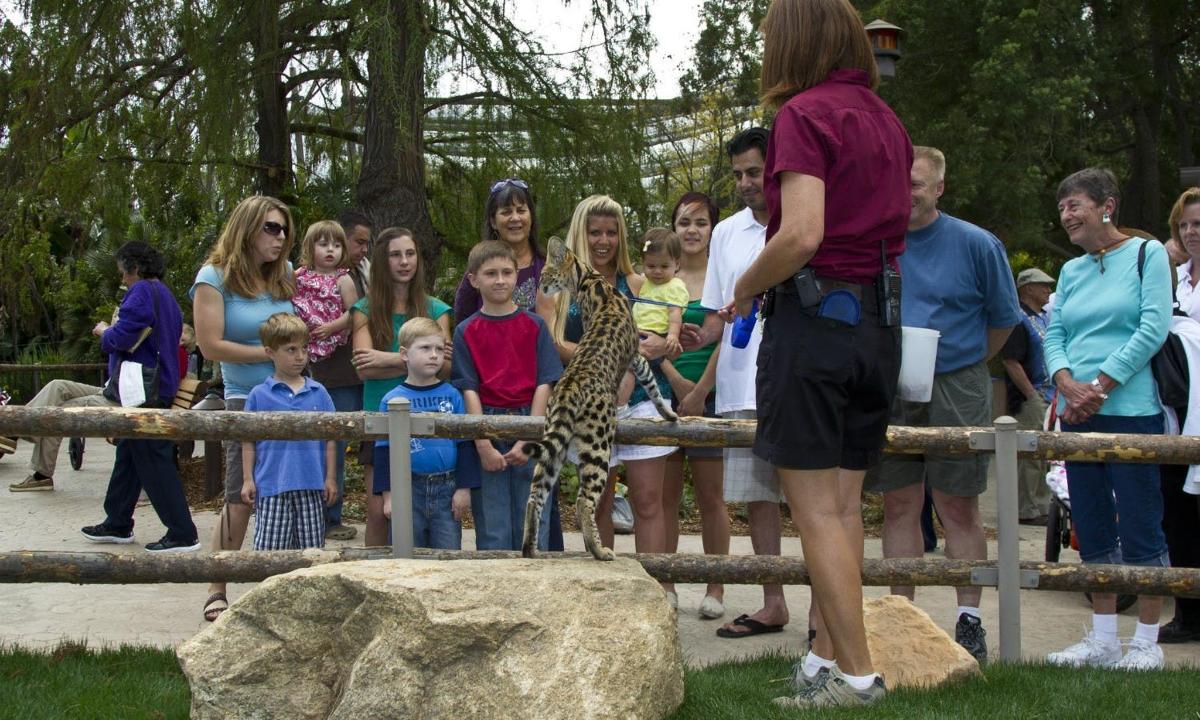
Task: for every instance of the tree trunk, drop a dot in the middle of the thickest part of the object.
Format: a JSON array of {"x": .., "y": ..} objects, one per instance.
[
  {"x": 274, "y": 141},
  {"x": 391, "y": 183}
]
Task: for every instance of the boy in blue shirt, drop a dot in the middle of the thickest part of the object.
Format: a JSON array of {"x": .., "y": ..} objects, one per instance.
[
  {"x": 504, "y": 363},
  {"x": 440, "y": 495},
  {"x": 288, "y": 482}
]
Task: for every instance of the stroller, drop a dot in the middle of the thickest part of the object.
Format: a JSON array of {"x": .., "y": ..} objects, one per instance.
[{"x": 1060, "y": 533}]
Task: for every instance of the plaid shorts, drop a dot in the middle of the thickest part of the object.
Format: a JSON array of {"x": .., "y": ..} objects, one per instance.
[
  {"x": 292, "y": 520},
  {"x": 748, "y": 478}
]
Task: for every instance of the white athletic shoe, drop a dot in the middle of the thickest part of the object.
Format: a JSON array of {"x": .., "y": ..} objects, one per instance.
[
  {"x": 1091, "y": 651},
  {"x": 1142, "y": 655}
]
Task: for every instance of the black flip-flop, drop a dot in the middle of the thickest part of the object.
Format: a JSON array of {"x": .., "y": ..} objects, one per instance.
[{"x": 753, "y": 627}]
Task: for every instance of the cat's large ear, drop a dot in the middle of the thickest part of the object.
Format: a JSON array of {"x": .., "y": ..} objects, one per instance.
[{"x": 556, "y": 251}]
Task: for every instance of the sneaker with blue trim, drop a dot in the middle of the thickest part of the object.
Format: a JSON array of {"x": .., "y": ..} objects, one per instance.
[{"x": 830, "y": 690}]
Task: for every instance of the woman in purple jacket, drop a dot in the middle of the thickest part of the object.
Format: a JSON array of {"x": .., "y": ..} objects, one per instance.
[{"x": 145, "y": 464}]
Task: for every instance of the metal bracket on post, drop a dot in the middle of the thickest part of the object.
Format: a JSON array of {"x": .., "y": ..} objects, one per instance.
[
  {"x": 1008, "y": 576},
  {"x": 1027, "y": 440},
  {"x": 400, "y": 468}
]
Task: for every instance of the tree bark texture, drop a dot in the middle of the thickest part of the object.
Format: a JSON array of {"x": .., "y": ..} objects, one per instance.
[
  {"x": 17, "y": 421},
  {"x": 270, "y": 98},
  {"x": 243, "y": 566},
  {"x": 391, "y": 183}
]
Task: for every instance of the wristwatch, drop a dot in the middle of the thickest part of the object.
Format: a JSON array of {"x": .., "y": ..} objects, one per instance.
[{"x": 1099, "y": 388}]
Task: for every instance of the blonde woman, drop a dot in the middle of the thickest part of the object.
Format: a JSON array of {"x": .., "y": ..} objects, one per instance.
[
  {"x": 598, "y": 237},
  {"x": 246, "y": 279}
]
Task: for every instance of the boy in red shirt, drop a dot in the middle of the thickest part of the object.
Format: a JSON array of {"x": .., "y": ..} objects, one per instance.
[{"x": 504, "y": 363}]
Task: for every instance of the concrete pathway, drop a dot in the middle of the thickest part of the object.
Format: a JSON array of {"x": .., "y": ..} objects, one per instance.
[{"x": 41, "y": 615}]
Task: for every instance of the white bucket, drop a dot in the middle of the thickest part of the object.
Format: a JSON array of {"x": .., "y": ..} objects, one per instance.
[{"x": 918, "y": 357}]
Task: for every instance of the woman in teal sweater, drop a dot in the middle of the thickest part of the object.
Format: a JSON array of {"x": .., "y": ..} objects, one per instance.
[{"x": 1111, "y": 314}]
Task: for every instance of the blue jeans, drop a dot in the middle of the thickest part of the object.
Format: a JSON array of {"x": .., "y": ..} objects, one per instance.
[
  {"x": 1117, "y": 508},
  {"x": 345, "y": 399},
  {"x": 498, "y": 507},
  {"x": 433, "y": 522}
]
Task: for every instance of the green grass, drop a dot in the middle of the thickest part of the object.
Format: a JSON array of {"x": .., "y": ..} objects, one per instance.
[
  {"x": 72, "y": 681},
  {"x": 135, "y": 682},
  {"x": 745, "y": 690}
]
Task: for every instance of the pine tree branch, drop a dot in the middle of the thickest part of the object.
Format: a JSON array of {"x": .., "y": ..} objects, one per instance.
[{"x": 327, "y": 131}]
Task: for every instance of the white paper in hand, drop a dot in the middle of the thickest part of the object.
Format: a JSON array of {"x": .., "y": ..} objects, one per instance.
[{"x": 133, "y": 393}]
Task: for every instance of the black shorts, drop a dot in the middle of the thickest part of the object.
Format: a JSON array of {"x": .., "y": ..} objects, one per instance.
[{"x": 824, "y": 387}]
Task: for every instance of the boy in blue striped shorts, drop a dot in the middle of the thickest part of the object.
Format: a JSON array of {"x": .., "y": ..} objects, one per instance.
[{"x": 288, "y": 482}]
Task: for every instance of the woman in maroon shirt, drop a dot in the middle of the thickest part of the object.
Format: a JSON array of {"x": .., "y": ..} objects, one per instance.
[{"x": 837, "y": 188}]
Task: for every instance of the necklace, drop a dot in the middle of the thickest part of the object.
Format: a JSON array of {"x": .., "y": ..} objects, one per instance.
[{"x": 1098, "y": 256}]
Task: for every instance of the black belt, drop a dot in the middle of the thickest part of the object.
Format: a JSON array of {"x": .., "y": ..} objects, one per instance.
[{"x": 828, "y": 285}]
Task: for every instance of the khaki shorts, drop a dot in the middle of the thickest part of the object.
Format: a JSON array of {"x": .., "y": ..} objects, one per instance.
[
  {"x": 961, "y": 398},
  {"x": 748, "y": 478}
]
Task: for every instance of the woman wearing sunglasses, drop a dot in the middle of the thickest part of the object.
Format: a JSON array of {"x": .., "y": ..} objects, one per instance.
[
  {"x": 510, "y": 216},
  {"x": 246, "y": 279}
]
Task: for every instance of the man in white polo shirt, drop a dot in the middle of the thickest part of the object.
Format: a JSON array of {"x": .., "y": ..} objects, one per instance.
[{"x": 736, "y": 242}]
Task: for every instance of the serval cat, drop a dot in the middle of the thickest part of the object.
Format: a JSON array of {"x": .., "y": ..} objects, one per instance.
[{"x": 581, "y": 416}]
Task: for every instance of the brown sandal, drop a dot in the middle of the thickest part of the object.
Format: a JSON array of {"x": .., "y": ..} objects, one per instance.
[{"x": 216, "y": 604}]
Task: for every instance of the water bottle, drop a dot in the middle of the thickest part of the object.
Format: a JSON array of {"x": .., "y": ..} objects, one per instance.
[{"x": 743, "y": 327}]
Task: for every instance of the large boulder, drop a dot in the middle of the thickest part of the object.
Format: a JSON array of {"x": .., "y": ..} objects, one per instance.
[
  {"x": 442, "y": 639},
  {"x": 908, "y": 649}
]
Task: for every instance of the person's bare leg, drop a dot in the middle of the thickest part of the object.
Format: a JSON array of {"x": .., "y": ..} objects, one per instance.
[
  {"x": 645, "y": 496},
  {"x": 672, "y": 496},
  {"x": 765, "y": 527},
  {"x": 708, "y": 479},
  {"x": 902, "y": 528},
  {"x": 833, "y": 556},
  {"x": 964, "y": 536},
  {"x": 604, "y": 507},
  {"x": 1149, "y": 608},
  {"x": 376, "y": 533},
  {"x": 850, "y": 501},
  {"x": 229, "y": 533}
]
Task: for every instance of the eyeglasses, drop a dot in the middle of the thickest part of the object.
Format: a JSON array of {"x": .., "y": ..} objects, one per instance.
[
  {"x": 515, "y": 182},
  {"x": 273, "y": 228}
]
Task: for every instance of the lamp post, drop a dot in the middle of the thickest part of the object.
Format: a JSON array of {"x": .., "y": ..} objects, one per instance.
[{"x": 885, "y": 42}]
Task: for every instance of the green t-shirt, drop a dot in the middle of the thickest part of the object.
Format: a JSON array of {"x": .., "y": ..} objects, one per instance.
[
  {"x": 375, "y": 389},
  {"x": 691, "y": 364}
]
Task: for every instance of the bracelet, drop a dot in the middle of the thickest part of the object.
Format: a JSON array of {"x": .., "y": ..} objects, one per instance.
[{"x": 1099, "y": 388}]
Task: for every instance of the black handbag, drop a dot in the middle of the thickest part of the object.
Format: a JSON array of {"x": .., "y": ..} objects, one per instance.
[
  {"x": 1169, "y": 365},
  {"x": 112, "y": 389}
]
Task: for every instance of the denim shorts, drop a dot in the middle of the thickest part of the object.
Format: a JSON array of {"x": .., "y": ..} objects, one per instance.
[{"x": 1102, "y": 492}]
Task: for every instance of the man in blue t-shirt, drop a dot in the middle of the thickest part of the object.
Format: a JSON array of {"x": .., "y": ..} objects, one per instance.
[{"x": 956, "y": 280}]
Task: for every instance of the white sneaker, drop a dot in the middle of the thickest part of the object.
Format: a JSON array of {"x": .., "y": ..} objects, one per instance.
[
  {"x": 1142, "y": 655},
  {"x": 1091, "y": 651}
]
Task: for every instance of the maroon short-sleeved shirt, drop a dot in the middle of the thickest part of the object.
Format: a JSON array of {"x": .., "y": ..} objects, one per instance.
[{"x": 841, "y": 132}]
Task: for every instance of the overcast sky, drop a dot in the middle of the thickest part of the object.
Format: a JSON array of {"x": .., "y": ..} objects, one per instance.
[{"x": 674, "y": 24}]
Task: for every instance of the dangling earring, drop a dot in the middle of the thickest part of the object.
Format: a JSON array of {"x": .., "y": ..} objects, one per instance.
[{"x": 1106, "y": 218}]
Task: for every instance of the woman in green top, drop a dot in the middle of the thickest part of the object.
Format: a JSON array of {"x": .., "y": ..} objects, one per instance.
[
  {"x": 397, "y": 286},
  {"x": 692, "y": 376}
]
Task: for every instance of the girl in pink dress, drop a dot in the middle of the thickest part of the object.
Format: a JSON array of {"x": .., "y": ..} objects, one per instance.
[{"x": 324, "y": 290}]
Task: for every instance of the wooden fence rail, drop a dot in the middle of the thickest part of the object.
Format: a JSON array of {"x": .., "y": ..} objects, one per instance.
[
  {"x": 695, "y": 432},
  {"x": 110, "y": 568}
]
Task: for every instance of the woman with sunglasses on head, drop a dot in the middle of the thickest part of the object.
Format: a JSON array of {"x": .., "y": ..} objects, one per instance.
[
  {"x": 246, "y": 279},
  {"x": 511, "y": 217}
]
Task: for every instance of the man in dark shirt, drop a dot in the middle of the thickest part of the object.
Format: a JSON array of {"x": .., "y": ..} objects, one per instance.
[{"x": 1029, "y": 388}]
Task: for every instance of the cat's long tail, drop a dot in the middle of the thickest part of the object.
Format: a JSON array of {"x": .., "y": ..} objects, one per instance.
[{"x": 534, "y": 450}]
